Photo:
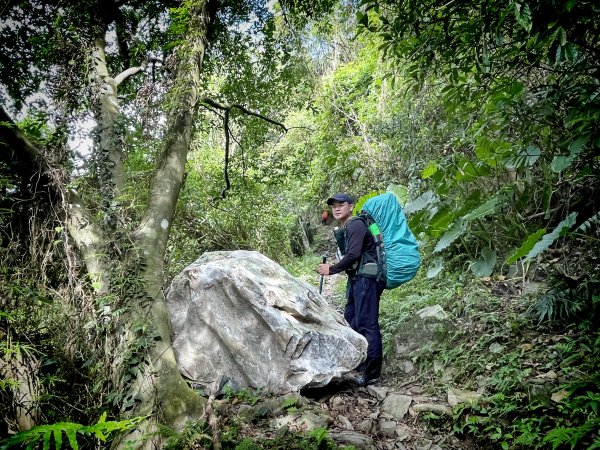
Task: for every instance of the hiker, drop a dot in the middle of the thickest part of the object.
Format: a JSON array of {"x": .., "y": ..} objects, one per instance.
[
  {"x": 324, "y": 217},
  {"x": 362, "y": 292}
]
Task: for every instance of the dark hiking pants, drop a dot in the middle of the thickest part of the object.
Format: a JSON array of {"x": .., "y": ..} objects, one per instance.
[{"x": 362, "y": 313}]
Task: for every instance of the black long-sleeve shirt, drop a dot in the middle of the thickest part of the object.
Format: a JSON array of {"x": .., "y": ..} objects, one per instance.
[{"x": 359, "y": 241}]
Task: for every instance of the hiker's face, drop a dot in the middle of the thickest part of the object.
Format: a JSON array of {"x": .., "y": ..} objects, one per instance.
[{"x": 341, "y": 210}]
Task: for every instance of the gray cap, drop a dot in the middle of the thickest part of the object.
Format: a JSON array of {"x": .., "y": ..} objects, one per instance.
[{"x": 341, "y": 197}]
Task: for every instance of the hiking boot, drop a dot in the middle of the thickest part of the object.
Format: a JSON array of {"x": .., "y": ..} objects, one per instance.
[{"x": 365, "y": 381}]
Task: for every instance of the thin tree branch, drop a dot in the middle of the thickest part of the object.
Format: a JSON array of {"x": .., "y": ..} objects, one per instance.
[
  {"x": 245, "y": 110},
  {"x": 227, "y": 109},
  {"x": 130, "y": 72},
  {"x": 226, "y": 163}
]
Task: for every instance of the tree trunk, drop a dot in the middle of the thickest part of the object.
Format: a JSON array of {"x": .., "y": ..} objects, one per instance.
[
  {"x": 143, "y": 368},
  {"x": 159, "y": 389},
  {"x": 22, "y": 367}
]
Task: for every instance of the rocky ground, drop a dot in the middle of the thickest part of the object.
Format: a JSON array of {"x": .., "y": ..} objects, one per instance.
[{"x": 384, "y": 416}]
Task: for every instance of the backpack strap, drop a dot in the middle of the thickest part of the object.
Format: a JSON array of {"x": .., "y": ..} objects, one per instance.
[
  {"x": 341, "y": 237},
  {"x": 373, "y": 228}
]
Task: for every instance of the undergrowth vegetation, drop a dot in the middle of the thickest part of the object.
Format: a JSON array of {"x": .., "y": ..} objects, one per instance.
[
  {"x": 533, "y": 368},
  {"x": 540, "y": 383},
  {"x": 537, "y": 379}
]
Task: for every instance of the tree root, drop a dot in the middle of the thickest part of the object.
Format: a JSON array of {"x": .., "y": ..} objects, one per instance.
[{"x": 213, "y": 419}]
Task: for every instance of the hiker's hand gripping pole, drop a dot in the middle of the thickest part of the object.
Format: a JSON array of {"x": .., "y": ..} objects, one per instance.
[{"x": 324, "y": 260}]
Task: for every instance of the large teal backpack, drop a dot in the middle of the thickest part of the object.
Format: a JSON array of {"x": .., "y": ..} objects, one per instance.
[{"x": 400, "y": 258}]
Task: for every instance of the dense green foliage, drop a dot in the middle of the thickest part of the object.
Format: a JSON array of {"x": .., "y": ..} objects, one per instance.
[
  {"x": 520, "y": 84},
  {"x": 485, "y": 114}
]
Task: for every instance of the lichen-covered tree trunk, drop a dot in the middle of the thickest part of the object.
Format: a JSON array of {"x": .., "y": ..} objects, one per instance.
[
  {"x": 145, "y": 369},
  {"x": 159, "y": 388}
]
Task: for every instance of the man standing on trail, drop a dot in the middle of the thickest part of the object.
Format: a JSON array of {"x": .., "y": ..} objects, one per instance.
[{"x": 362, "y": 293}]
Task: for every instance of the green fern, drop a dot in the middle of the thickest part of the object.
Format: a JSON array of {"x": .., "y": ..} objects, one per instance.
[
  {"x": 167, "y": 431},
  {"x": 320, "y": 435},
  {"x": 54, "y": 432},
  {"x": 195, "y": 434},
  {"x": 247, "y": 444},
  {"x": 525, "y": 158},
  {"x": 571, "y": 436},
  {"x": 555, "y": 304},
  {"x": 289, "y": 403}
]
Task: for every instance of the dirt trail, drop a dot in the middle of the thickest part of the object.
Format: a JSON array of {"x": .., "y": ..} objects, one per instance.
[{"x": 368, "y": 417}]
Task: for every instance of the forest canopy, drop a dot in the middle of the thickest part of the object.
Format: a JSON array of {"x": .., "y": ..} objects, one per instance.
[{"x": 136, "y": 135}]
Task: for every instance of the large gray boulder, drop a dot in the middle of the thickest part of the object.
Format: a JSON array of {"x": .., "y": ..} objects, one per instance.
[{"x": 240, "y": 315}]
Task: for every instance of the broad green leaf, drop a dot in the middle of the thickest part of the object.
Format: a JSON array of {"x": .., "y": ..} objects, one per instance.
[
  {"x": 484, "y": 266},
  {"x": 440, "y": 222},
  {"x": 526, "y": 246},
  {"x": 466, "y": 172},
  {"x": 451, "y": 235},
  {"x": 470, "y": 203},
  {"x": 563, "y": 36},
  {"x": 436, "y": 267},
  {"x": 516, "y": 89},
  {"x": 549, "y": 238},
  {"x": 469, "y": 170},
  {"x": 431, "y": 168},
  {"x": 362, "y": 19},
  {"x": 418, "y": 222},
  {"x": 401, "y": 192},
  {"x": 361, "y": 201},
  {"x": 421, "y": 202},
  {"x": 523, "y": 16},
  {"x": 561, "y": 162},
  {"x": 577, "y": 145},
  {"x": 483, "y": 149},
  {"x": 485, "y": 209},
  {"x": 491, "y": 151},
  {"x": 571, "y": 51}
]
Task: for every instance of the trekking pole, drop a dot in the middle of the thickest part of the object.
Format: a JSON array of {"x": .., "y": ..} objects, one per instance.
[{"x": 324, "y": 259}]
